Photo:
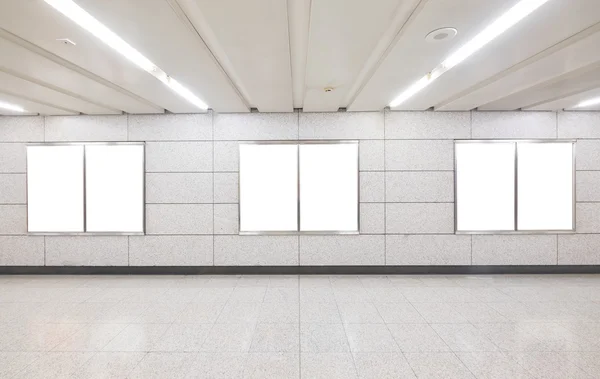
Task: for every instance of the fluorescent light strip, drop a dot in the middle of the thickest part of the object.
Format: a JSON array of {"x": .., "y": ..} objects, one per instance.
[
  {"x": 588, "y": 103},
  {"x": 12, "y": 107},
  {"x": 86, "y": 21},
  {"x": 515, "y": 14}
]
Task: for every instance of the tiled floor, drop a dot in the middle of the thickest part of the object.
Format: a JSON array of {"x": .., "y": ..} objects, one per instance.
[{"x": 308, "y": 326}]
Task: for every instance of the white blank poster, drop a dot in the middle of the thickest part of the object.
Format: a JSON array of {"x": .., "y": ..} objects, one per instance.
[
  {"x": 545, "y": 177},
  {"x": 329, "y": 187},
  {"x": 55, "y": 189},
  {"x": 268, "y": 187},
  {"x": 115, "y": 188},
  {"x": 485, "y": 186}
]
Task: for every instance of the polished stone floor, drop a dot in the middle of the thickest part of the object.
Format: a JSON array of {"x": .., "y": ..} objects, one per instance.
[{"x": 300, "y": 326}]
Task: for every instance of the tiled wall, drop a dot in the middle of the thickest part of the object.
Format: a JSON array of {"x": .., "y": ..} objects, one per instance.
[{"x": 406, "y": 190}]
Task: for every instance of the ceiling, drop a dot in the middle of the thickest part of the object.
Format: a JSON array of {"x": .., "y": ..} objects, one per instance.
[{"x": 277, "y": 55}]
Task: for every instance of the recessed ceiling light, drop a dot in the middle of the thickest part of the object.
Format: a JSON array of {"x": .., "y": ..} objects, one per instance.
[
  {"x": 439, "y": 35},
  {"x": 515, "y": 14},
  {"x": 100, "y": 31},
  {"x": 588, "y": 103},
  {"x": 12, "y": 107}
]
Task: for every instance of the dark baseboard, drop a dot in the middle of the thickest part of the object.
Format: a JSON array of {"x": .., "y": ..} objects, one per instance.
[{"x": 295, "y": 270}]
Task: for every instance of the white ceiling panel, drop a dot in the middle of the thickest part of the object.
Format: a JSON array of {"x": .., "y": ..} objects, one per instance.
[
  {"x": 44, "y": 25},
  {"x": 568, "y": 85},
  {"x": 569, "y": 102},
  {"x": 277, "y": 55},
  {"x": 343, "y": 34},
  {"x": 35, "y": 92},
  {"x": 573, "y": 56},
  {"x": 21, "y": 62},
  {"x": 553, "y": 22},
  {"x": 412, "y": 57},
  {"x": 253, "y": 35},
  {"x": 31, "y": 107},
  {"x": 156, "y": 30},
  {"x": 151, "y": 26}
]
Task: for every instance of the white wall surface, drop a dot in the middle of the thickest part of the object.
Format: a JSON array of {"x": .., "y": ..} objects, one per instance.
[{"x": 406, "y": 190}]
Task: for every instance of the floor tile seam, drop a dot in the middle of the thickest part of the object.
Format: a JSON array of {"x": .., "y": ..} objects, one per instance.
[
  {"x": 92, "y": 354},
  {"x": 116, "y": 335},
  {"x": 582, "y": 368},
  {"x": 396, "y": 342},
  {"x": 24, "y": 369},
  {"x": 522, "y": 366},
  {"x": 463, "y": 362},
  {"x": 347, "y": 341},
  {"x": 450, "y": 350},
  {"x": 215, "y": 323},
  {"x": 299, "y": 326},
  {"x": 138, "y": 362}
]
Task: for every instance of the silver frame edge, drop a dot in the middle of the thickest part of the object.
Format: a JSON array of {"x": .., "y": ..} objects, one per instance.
[
  {"x": 516, "y": 231},
  {"x": 298, "y": 232},
  {"x": 84, "y": 233}
]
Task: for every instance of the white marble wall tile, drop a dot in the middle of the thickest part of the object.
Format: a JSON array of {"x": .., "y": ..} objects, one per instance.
[
  {"x": 427, "y": 125},
  {"x": 256, "y": 250},
  {"x": 255, "y": 126},
  {"x": 342, "y": 250},
  {"x": 13, "y": 158},
  {"x": 514, "y": 249},
  {"x": 171, "y": 127},
  {"x": 21, "y": 251},
  {"x": 13, "y": 189},
  {"x": 342, "y": 125},
  {"x": 521, "y": 124},
  {"x": 179, "y": 219},
  {"x": 86, "y": 251},
  {"x": 419, "y": 186},
  {"x": 21, "y": 129},
  {"x": 171, "y": 250},
  {"x": 579, "y": 124},
  {"x": 179, "y": 157},
  {"x": 419, "y": 155},
  {"x": 179, "y": 188},
  {"x": 86, "y": 128},
  {"x": 419, "y": 218},
  {"x": 425, "y": 250}
]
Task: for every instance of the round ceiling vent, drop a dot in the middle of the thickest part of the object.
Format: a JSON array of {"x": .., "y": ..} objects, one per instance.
[{"x": 439, "y": 35}]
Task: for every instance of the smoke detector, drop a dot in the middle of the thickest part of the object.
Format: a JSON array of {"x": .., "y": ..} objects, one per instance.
[
  {"x": 441, "y": 35},
  {"x": 66, "y": 41}
]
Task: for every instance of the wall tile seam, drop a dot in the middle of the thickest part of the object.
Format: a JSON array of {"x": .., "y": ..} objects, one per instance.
[
  {"x": 425, "y": 139},
  {"x": 304, "y": 139},
  {"x": 562, "y": 235},
  {"x": 409, "y": 202},
  {"x": 213, "y": 184},
  {"x": 385, "y": 252},
  {"x": 298, "y": 194},
  {"x": 556, "y": 249},
  {"x": 187, "y": 172},
  {"x": 185, "y": 203},
  {"x": 391, "y": 170}
]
